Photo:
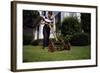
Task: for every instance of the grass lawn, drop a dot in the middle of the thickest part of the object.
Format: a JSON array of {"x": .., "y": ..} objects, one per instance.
[{"x": 36, "y": 54}]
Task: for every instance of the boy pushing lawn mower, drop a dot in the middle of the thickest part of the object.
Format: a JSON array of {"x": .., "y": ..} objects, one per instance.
[{"x": 59, "y": 43}]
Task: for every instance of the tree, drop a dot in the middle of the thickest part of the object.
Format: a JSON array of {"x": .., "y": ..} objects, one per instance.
[
  {"x": 29, "y": 25},
  {"x": 86, "y": 22},
  {"x": 70, "y": 25}
]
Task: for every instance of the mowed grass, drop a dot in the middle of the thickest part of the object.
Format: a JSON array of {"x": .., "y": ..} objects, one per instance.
[{"x": 36, "y": 54}]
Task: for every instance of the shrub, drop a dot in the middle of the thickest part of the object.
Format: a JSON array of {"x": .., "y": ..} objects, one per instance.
[
  {"x": 86, "y": 22},
  {"x": 80, "y": 39},
  {"x": 27, "y": 39},
  {"x": 67, "y": 38},
  {"x": 35, "y": 42},
  {"x": 70, "y": 25}
]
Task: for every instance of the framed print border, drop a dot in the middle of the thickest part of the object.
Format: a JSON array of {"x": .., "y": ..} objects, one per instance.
[{"x": 14, "y": 35}]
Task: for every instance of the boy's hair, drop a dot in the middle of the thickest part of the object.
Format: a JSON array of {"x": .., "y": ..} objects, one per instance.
[{"x": 50, "y": 12}]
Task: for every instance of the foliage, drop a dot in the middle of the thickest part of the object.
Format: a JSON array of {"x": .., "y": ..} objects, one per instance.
[
  {"x": 67, "y": 38},
  {"x": 35, "y": 42},
  {"x": 29, "y": 21},
  {"x": 27, "y": 39},
  {"x": 71, "y": 30},
  {"x": 70, "y": 25},
  {"x": 29, "y": 17},
  {"x": 80, "y": 39},
  {"x": 86, "y": 22}
]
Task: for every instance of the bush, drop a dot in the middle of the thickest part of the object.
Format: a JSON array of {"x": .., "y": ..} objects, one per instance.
[
  {"x": 35, "y": 42},
  {"x": 67, "y": 38},
  {"x": 27, "y": 39},
  {"x": 80, "y": 39},
  {"x": 70, "y": 25}
]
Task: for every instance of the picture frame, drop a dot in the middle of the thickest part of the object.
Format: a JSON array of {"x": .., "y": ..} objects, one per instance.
[{"x": 17, "y": 31}]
